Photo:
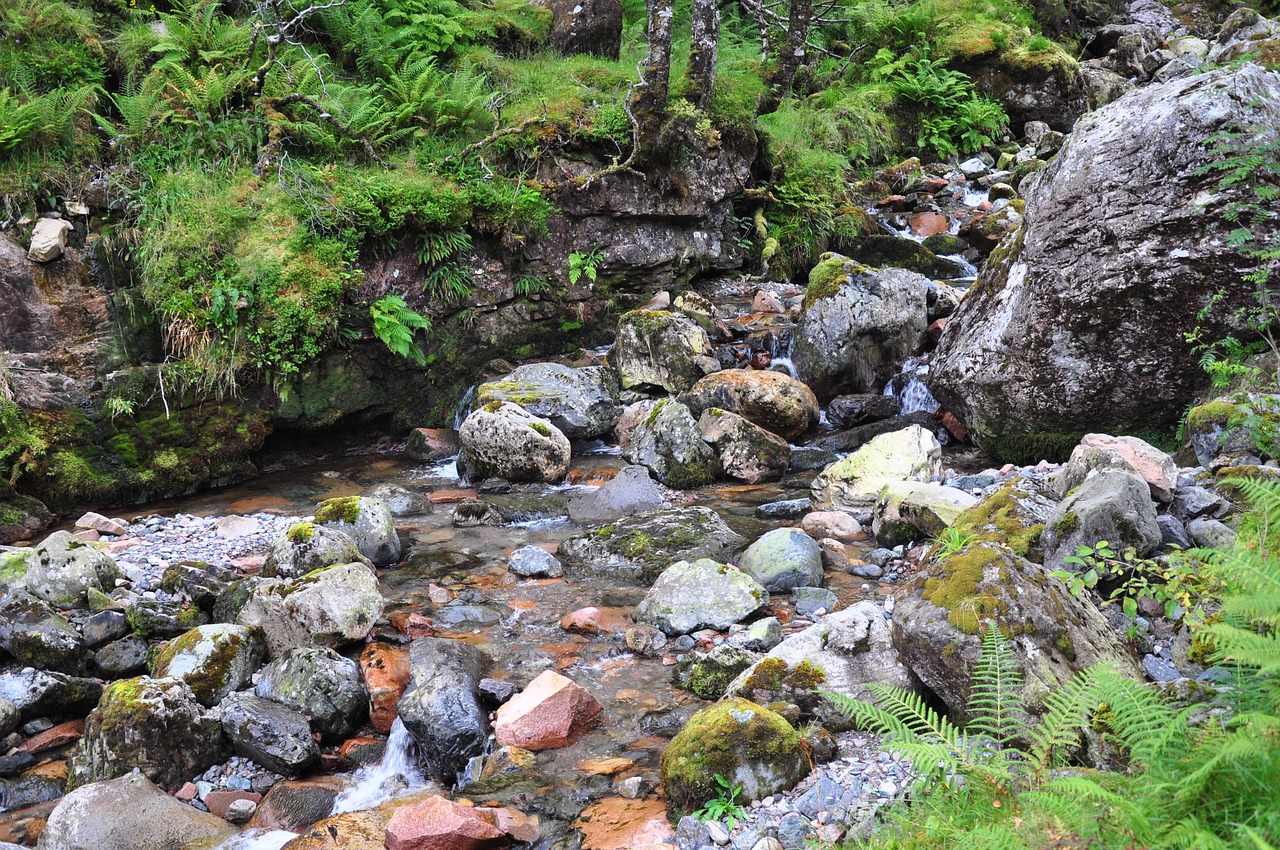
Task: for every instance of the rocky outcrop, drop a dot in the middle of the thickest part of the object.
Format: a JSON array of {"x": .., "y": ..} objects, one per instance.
[
  {"x": 442, "y": 708},
  {"x": 1076, "y": 325},
  {"x": 701, "y": 594},
  {"x": 582, "y": 403},
  {"x": 640, "y": 547},
  {"x": 776, "y": 402},
  {"x": 504, "y": 440}
]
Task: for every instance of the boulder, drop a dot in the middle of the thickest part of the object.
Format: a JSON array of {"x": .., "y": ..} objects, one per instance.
[
  {"x": 1112, "y": 505},
  {"x": 660, "y": 349},
  {"x": 701, "y": 594},
  {"x": 836, "y": 525},
  {"x": 296, "y": 803},
  {"x": 213, "y": 660},
  {"x": 912, "y": 454},
  {"x": 850, "y": 411},
  {"x": 441, "y": 707},
  {"x": 276, "y": 737},
  {"x": 914, "y": 510},
  {"x": 141, "y": 817},
  {"x": 1075, "y": 324},
  {"x": 329, "y": 607},
  {"x": 306, "y": 546},
  {"x": 747, "y": 452},
  {"x": 366, "y": 521},
  {"x": 937, "y": 625},
  {"x": 385, "y": 671},
  {"x": 37, "y": 636},
  {"x": 65, "y": 568},
  {"x": 1217, "y": 427},
  {"x": 858, "y": 325},
  {"x": 843, "y": 442},
  {"x": 1102, "y": 451},
  {"x": 667, "y": 442},
  {"x": 37, "y": 693},
  {"x": 503, "y": 440},
  {"x": 582, "y": 403},
  {"x": 320, "y": 684},
  {"x": 123, "y": 658},
  {"x": 431, "y": 444},
  {"x": 1244, "y": 32},
  {"x": 640, "y": 547},
  {"x": 14, "y": 564},
  {"x": 534, "y": 562},
  {"x": 776, "y": 402},
  {"x": 551, "y": 712},
  {"x": 164, "y": 618},
  {"x": 783, "y": 559},
  {"x": 632, "y": 491},
  {"x": 744, "y": 743},
  {"x": 439, "y": 824},
  {"x": 154, "y": 725},
  {"x": 48, "y": 239},
  {"x": 707, "y": 675}
]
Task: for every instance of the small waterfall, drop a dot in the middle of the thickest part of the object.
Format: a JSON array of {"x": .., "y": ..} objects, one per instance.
[
  {"x": 970, "y": 270},
  {"x": 464, "y": 407},
  {"x": 396, "y": 773},
  {"x": 909, "y": 389},
  {"x": 256, "y": 839},
  {"x": 783, "y": 365}
]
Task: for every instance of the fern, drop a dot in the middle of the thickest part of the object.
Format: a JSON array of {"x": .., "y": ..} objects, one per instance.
[
  {"x": 395, "y": 323},
  {"x": 995, "y": 700}
]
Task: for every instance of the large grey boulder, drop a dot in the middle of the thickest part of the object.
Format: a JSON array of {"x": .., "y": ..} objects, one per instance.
[
  {"x": 306, "y": 546},
  {"x": 320, "y": 684},
  {"x": 858, "y": 326},
  {"x": 213, "y": 660},
  {"x": 667, "y": 442},
  {"x": 582, "y": 403},
  {"x": 640, "y": 547},
  {"x": 369, "y": 522},
  {"x": 854, "y": 481},
  {"x": 38, "y": 693},
  {"x": 441, "y": 707},
  {"x": 632, "y": 491},
  {"x": 1113, "y": 505},
  {"x": 329, "y": 607},
  {"x": 776, "y": 402},
  {"x": 1076, "y": 324},
  {"x": 273, "y": 735},
  {"x": 66, "y": 568},
  {"x": 37, "y": 636},
  {"x": 141, "y": 817},
  {"x": 503, "y": 440},
  {"x": 659, "y": 349},
  {"x": 702, "y": 594},
  {"x": 782, "y": 560}
]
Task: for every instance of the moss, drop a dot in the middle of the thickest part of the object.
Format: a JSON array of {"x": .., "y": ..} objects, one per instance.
[
  {"x": 1215, "y": 413},
  {"x": 1064, "y": 645},
  {"x": 1070, "y": 522},
  {"x": 540, "y": 428},
  {"x": 343, "y": 509},
  {"x": 654, "y": 411},
  {"x": 515, "y": 392},
  {"x": 954, "y": 587},
  {"x": 301, "y": 532},
  {"x": 767, "y": 676},
  {"x": 492, "y": 407},
  {"x": 208, "y": 678},
  {"x": 826, "y": 278},
  {"x": 648, "y": 323},
  {"x": 998, "y": 519}
]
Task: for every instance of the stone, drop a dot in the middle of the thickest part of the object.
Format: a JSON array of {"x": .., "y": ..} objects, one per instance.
[
  {"x": 318, "y": 683},
  {"x": 858, "y": 325},
  {"x": 142, "y": 817},
  {"x": 584, "y": 621},
  {"x": 1191, "y": 502},
  {"x": 707, "y": 674},
  {"x": 1112, "y": 505},
  {"x": 385, "y": 672},
  {"x": 1211, "y": 534},
  {"x": 122, "y": 658},
  {"x": 760, "y": 636},
  {"x": 640, "y": 547},
  {"x": 912, "y": 454},
  {"x": 582, "y": 403},
  {"x": 1061, "y": 336},
  {"x": 809, "y": 601},
  {"x": 401, "y": 501},
  {"x": 104, "y": 627},
  {"x": 850, "y": 411},
  {"x": 164, "y": 618},
  {"x": 14, "y": 565},
  {"x": 1102, "y": 451},
  {"x": 775, "y": 402},
  {"x": 535, "y": 562},
  {"x": 591, "y": 27},
  {"x": 48, "y": 239},
  {"x": 913, "y": 510},
  {"x": 632, "y": 491},
  {"x": 276, "y": 737},
  {"x": 36, "y": 636},
  {"x": 330, "y": 607},
  {"x": 102, "y": 524},
  {"x": 1173, "y": 534},
  {"x": 473, "y": 513},
  {"x": 154, "y": 725},
  {"x": 742, "y": 742},
  {"x": 783, "y": 559},
  {"x": 551, "y": 712},
  {"x": 432, "y": 444},
  {"x": 660, "y": 349},
  {"x": 65, "y": 568},
  {"x": 10, "y": 718},
  {"x": 295, "y": 804},
  {"x": 1244, "y": 31},
  {"x": 306, "y": 546},
  {"x": 702, "y": 594},
  {"x": 213, "y": 660},
  {"x": 219, "y": 802},
  {"x": 667, "y": 442},
  {"x": 747, "y": 452},
  {"x": 836, "y": 525},
  {"x": 852, "y": 439},
  {"x": 616, "y": 823},
  {"x": 441, "y": 707},
  {"x": 503, "y": 440},
  {"x": 784, "y": 509},
  {"x": 1159, "y": 669},
  {"x": 38, "y": 693},
  {"x": 235, "y": 527},
  {"x": 366, "y": 521}
]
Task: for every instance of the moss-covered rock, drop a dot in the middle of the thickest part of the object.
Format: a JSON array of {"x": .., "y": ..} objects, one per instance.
[
  {"x": 366, "y": 521},
  {"x": 36, "y": 636},
  {"x": 164, "y": 618},
  {"x": 503, "y": 440},
  {"x": 582, "y": 403},
  {"x": 320, "y": 684},
  {"x": 668, "y": 443},
  {"x": 329, "y": 607},
  {"x": 640, "y": 547},
  {"x": 213, "y": 660},
  {"x": 897, "y": 252},
  {"x": 702, "y": 594},
  {"x": 65, "y": 568},
  {"x": 910, "y": 454},
  {"x": 656, "y": 348},
  {"x": 306, "y": 546},
  {"x": 707, "y": 675},
  {"x": 775, "y": 402},
  {"x": 14, "y": 564},
  {"x": 744, "y": 743},
  {"x": 1013, "y": 516}
]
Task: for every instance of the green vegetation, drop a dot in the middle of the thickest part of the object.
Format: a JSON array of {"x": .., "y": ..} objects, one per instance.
[{"x": 724, "y": 806}]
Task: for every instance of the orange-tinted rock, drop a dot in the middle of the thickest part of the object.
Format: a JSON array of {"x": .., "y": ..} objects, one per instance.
[
  {"x": 449, "y": 497},
  {"x": 934, "y": 185},
  {"x": 935, "y": 329},
  {"x": 58, "y": 736},
  {"x": 350, "y": 831},
  {"x": 219, "y": 801},
  {"x": 604, "y": 766},
  {"x": 551, "y": 712},
  {"x": 896, "y": 203},
  {"x": 584, "y": 621},
  {"x": 385, "y": 670},
  {"x": 431, "y": 443},
  {"x": 515, "y": 823},
  {"x": 438, "y": 824},
  {"x": 358, "y": 751},
  {"x": 413, "y": 625},
  {"x": 616, "y": 823},
  {"x": 295, "y": 804},
  {"x": 440, "y": 595},
  {"x": 955, "y": 427},
  {"x": 929, "y": 223}
]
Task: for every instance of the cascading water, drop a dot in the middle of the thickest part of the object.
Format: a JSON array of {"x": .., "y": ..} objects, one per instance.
[
  {"x": 396, "y": 774},
  {"x": 909, "y": 389},
  {"x": 464, "y": 407}
]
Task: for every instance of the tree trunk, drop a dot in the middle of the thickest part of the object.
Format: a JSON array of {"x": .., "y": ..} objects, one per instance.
[
  {"x": 703, "y": 48},
  {"x": 790, "y": 56},
  {"x": 647, "y": 101}
]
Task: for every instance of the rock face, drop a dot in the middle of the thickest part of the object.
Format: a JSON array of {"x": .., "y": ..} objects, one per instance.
[
  {"x": 936, "y": 625},
  {"x": 1112, "y": 505},
  {"x": 551, "y": 712},
  {"x": 642, "y": 546},
  {"x": 213, "y": 660},
  {"x": 858, "y": 326},
  {"x": 745, "y": 743},
  {"x": 504, "y": 440},
  {"x": 782, "y": 560},
  {"x": 320, "y": 684},
  {"x": 582, "y": 403},
  {"x": 155, "y": 725},
  {"x": 776, "y": 402},
  {"x": 442, "y": 708},
  {"x": 305, "y": 546},
  {"x": 655, "y": 348},
  {"x": 747, "y": 452},
  {"x": 912, "y": 454},
  {"x": 369, "y": 522},
  {"x": 628, "y": 493},
  {"x": 331, "y": 607},
  {"x": 276, "y": 737},
  {"x": 1077, "y": 323},
  {"x": 66, "y": 568},
  {"x": 667, "y": 442},
  {"x": 142, "y": 817},
  {"x": 703, "y": 594}
]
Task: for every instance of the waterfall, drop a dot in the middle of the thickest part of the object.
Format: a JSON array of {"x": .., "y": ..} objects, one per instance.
[
  {"x": 464, "y": 407},
  {"x": 397, "y": 772},
  {"x": 909, "y": 389}
]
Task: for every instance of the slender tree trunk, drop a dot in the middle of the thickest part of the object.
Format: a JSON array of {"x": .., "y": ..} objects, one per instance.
[
  {"x": 790, "y": 56},
  {"x": 703, "y": 50},
  {"x": 647, "y": 101}
]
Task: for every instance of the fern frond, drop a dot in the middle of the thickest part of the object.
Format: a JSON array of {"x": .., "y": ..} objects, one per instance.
[{"x": 995, "y": 700}]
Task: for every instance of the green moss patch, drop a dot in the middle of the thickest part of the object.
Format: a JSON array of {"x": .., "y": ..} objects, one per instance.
[
  {"x": 343, "y": 509},
  {"x": 954, "y": 587}
]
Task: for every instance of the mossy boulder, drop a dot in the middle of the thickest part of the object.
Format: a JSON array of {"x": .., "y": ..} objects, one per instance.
[
  {"x": 1014, "y": 516},
  {"x": 707, "y": 674},
  {"x": 14, "y": 564},
  {"x": 369, "y": 522},
  {"x": 747, "y": 452},
  {"x": 1232, "y": 426},
  {"x": 164, "y": 618},
  {"x": 701, "y": 594},
  {"x": 775, "y": 402},
  {"x": 668, "y": 443},
  {"x": 320, "y": 684},
  {"x": 640, "y": 547},
  {"x": 663, "y": 350},
  {"x": 939, "y": 622},
  {"x": 21, "y": 517},
  {"x": 213, "y": 660},
  {"x": 65, "y": 568},
  {"x": 746, "y": 744},
  {"x": 155, "y": 725},
  {"x": 897, "y": 252},
  {"x": 910, "y": 454},
  {"x": 582, "y": 403},
  {"x": 782, "y": 560},
  {"x": 306, "y": 546},
  {"x": 915, "y": 510},
  {"x": 37, "y": 636},
  {"x": 329, "y": 607},
  {"x": 503, "y": 440}
]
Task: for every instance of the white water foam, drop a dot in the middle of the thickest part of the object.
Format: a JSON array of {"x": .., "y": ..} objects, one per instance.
[
  {"x": 394, "y": 776},
  {"x": 914, "y": 395},
  {"x": 256, "y": 839}
]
